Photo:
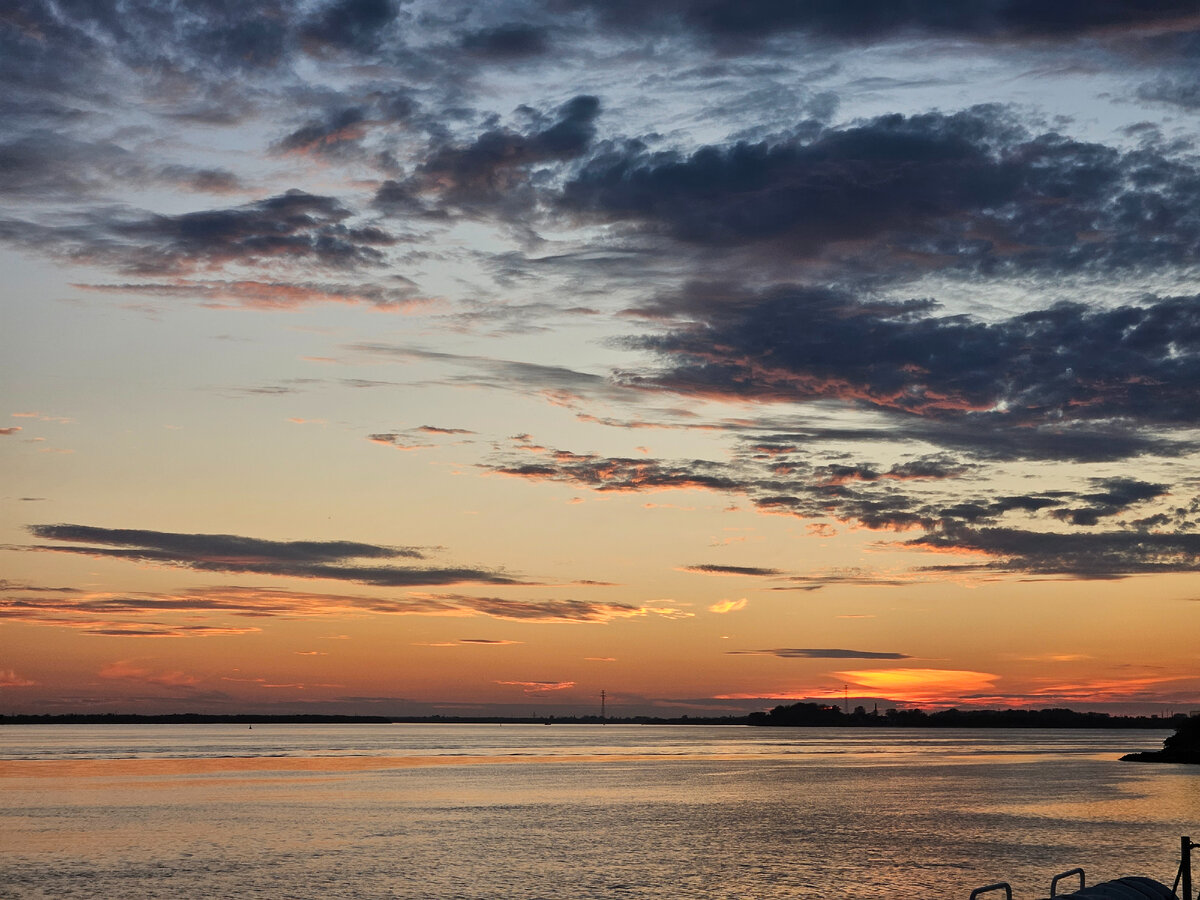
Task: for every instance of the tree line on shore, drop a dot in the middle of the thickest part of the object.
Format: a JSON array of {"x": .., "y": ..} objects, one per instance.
[{"x": 794, "y": 715}]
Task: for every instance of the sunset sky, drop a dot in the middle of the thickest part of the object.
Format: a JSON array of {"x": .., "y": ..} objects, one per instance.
[{"x": 402, "y": 357}]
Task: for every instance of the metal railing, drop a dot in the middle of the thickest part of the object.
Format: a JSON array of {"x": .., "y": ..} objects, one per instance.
[
  {"x": 1184, "y": 875},
  {"x": 1182, "y": 887},
  {"x": 998, "y": 886},
  {"x": 1067, "y": 874}
]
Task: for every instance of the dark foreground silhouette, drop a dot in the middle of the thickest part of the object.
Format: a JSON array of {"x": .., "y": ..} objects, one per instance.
[{"x": 1181, "y": 747}]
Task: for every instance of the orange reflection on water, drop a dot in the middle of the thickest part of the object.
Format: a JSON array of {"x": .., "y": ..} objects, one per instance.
[{"x": 85, "y": 768}]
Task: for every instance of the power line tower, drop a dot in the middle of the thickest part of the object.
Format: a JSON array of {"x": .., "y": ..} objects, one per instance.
[{"x": 603, "y": 697}]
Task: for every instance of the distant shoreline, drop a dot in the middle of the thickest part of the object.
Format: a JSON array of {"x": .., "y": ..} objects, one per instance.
[{"x": 800, "y": 715}]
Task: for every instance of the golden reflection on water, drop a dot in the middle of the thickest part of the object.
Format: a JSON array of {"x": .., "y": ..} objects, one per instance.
[
  {"x": 779, "y": 817},
  {"x": 87, "y": 768}
]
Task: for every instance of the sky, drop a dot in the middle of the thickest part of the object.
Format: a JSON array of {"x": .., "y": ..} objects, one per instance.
[{"x": 407, "y": 358}]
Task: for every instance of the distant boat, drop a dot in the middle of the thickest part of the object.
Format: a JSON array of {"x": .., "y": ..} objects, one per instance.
[{"x": 1132, "y": 888}]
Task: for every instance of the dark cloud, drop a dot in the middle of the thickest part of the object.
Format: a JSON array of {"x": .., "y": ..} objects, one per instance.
[
  {"x": 233, "y": 553},
  {"x": 794, "y": 653},
  {"x": 295, "y": 226},
  {"x": 495, "y": 165},
  {"x": 619, "y": 474},
  {"x": 507, "y": 42},
  {"x": 972, "y": 190},
  {"x": 1082, "y": 555},
  {"x": 221, "y": 546},
  {"x": 1177, "y": 91},
  {"x": 350, "y": 25},
  {"x": 874, "y": 20},
  {"x": 1115, "y": 495},
  {"x": 713, "y": 569},
  {"x": 328, "y": 135},
  {"x": 1044, "y": 372}
]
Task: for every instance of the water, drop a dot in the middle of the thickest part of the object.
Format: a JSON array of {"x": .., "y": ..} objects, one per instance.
[{"x": 486, "y": 811}]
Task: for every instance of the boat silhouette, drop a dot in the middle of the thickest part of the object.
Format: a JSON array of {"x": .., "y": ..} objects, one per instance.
[{"x": 1129, "y": 888}]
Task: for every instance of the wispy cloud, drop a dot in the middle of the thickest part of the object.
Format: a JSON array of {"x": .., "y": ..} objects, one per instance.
[
  {"x": 797, "y": 653},
  {"x": 539, "y": 687},
  {"x": 234, "y": 553},
  {"x": 109, "y": 614}
]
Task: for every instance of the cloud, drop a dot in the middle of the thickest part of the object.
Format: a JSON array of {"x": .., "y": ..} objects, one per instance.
[
  {"x": 357, "y": 26},
  {"x": 401, "y": 296},
  {"x": 233, "y": 553},
  {"x": 712, "y": 569},
  {"x": 495, "y": 163},
  {"x": 956, "y": 520},
  {"x": 130, "y": 670},
  {"x": 1049, "y": 369},
  {"x": 10, "y": 430},
  {"x": 10, "y": 679},
  {"x": 1092, "y": 555},
  {"x": 507, "y": 42},
  {"x": 291, "y": 227},
  {"x": 897, "y": 196},
  {"x": 150, "y": 629},
  {"x": 328, "y": 136},
  {"x": 794, "y": 653},
  {"x": 543, "y": 610},
  {"x": 906, "y": 496},
  {"x": 559, "y": 385},
  {"x": 914, "y": 685},
  {"x": 488, "y": 642},
  {"x": 622, "y": 474},
  {"x": 735, "y": 22},
  {"x": 540, "y": 687},
  {"x": 728, "y": 606},
  {"x": 95, "y": 613}
]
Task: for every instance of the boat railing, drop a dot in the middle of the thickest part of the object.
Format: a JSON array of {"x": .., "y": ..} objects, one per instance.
[
  {"x": 1184, "y": 875},
  {"x": 998, "y": 886},
  {"x": 1122, "y": 887},
  {"x": 1067, "y": 874}
]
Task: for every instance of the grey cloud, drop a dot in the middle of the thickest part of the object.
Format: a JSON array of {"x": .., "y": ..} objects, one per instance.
[
  {"x": 507, "y": 42},
  {"x": 233, "y": 553},
  {"x": 794, "y": 653},
  {"x": 350, "y": 25},
  {"x": 494, "y": 167},
  {"x": 739, "y": 21},
  {"x": 714, "y": 569},
  {"x": 326, "y": 135},
  {"x": 96, "y": 612},
  {"x": 1081, "y": 555},
  {"x": 220, "y": 546},
  {"x": 294, "y": 226},
  {"x": 1051, "y": 369},
  {"x": 619, "y": 474},
  {"x": 972, "y": 190},
  {"x": 557, "y": 383}
]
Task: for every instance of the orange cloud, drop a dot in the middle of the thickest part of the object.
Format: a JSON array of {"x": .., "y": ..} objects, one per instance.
[
  {"x": 538, "y": 687},
  {"x": 727, "y": 606},
  {"x": 914, "y": 685},
  {"x": 127, "y": 670},
  {"x": 9, "y": 678}
]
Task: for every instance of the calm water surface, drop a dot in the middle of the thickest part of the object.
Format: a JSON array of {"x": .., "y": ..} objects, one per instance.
[{"x": 577, "y": 811}]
